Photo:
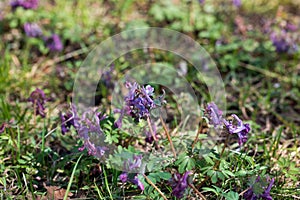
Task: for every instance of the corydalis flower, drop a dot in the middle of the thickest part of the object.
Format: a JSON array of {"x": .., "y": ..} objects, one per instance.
[
  {"x": 214, "y": 114},
  {"x": 179, "y": 184},
  {"x": 138, "y": 103},
  {"x": 54, "y": 43},
  {"x": 38, "y": 99},
  {"x": 32, "y": 30},
  {"x": 234, "y": 127},
  {"x": 132, "y": 165},
  {"x": 26, "y": 4},
  {"x": 264, "y": 190},
  {"x": 237, "y": 3},
  {"x": 89, "y": 129},
  {"x": 67, "y": 121},
  {"x": 238, "y": 128},
  {"x": 280, "y": 42}
]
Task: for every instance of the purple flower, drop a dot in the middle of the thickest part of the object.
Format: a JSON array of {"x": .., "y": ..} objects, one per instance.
[
  {"x": 149, "y": 136},
  {"x": 201, "y": 1},
  {"x": 3, "y": 126},
  {"x": 133, "y": 178},
  {"x": 138, "y": 103},
  {"x": 263, "y": 190},
  {"x": 67, "y": 121},
  {"x": 237, "y": 3},
  {"x": 106, "y": 78},
  {"x": 291, "y": 27},
  {"x": 53, "y": 43},
  {"x": 179, "y": 184},
  {"x": 280, "y": 42},
  {"x": 26, "y": 4},
  {"x": 131, "y": 165},
  {"x": 214, "y": 114},
  {"x": 138, "y": 183},
  {"x": 32, "y": 30},
  {"x": 38, "y": 99},
  {"x": 238, "y": 128},
  {"x": 118, "y": 123},
  {"x": 123, "y": 177},
  {"x": 88, "y": 128}
]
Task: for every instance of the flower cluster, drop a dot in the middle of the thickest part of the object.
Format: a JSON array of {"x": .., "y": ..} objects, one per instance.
[
  {"x": 138, "y": 103},
  {"x": 38, "y": 100},
  {"x": 26, "y": 4},
  {"x": 233, "y": 127},
  {"x": 32, "y": 30},
  {"x": 239, "y": 128},
  {"x": 214, "y": 114},
  {"x": 285, "y": 41},
  {"x": 264, "y": 193},
  {"x": 53, "y": 43},
  {"x": 132, "y": 165},
  {"x": 88, "y": 128},
  {"x": 179, "y": 184}
]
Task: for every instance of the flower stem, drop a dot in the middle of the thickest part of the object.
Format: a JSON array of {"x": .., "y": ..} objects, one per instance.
[
  {"x": 151, "y": 130},
  {"x": 197, "y": 191},
  {"x": 197, "y": 136},
  {"x": 156, "y": 188},
  {"x": 168, "y": 135}
]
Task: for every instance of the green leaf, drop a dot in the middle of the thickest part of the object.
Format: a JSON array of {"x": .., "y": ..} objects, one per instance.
[
  {"x": 231, "y": 196},
  {"x": 185, "y": 163}
]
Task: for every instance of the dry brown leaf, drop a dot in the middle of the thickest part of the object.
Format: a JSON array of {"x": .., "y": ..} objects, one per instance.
[{"x": 56, "y": 193}]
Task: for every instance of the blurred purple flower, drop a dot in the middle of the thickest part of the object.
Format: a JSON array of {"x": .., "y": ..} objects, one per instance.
[
  {"x": 214, "y": 114},
  {"x": 132, "y": 165},
  {"x": 280, "y": 42},
  {"x": 123, "y": 177},
  {"x": 53, "y": 43},
  {"x": 67, "y": 120},
  {"x": 38, "y": 99},
  {"x": 3, "y": 126},
  {"x": 250, "y": 194},
  {"x": 88, "y": 128},
  {"x": 32, "y": 30},
  {"x": 179, "y": 184},
  {"x": 138, "y": 183},
  {"x": 291, "y": 27},
  {"x": 201, "y": 1},
  {"x": 26, "y": 4},
  {"x": 149, "y": 137},
  {"x": 107, "y": 78},
  {"x": 238, "y": 128},
  {"x": 237, "y": 3}
]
